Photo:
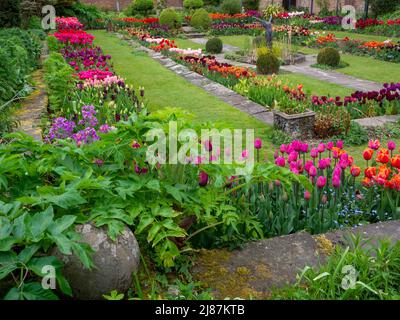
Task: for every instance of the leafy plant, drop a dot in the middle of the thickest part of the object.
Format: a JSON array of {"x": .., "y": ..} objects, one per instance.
[
  {"x": 267, "y": 63},
  {"x": 361, "y": 271},
  {"x": 170, "y": 18},
  {"x": 328, "y": 56},
  {"x": 231, "y": 6}
]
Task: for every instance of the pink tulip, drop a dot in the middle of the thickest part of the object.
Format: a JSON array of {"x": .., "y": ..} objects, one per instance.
[
  {"x": 336, "y": 181},
  {"x": 293, "y": 156},
  {"x": 339, "y": 144},
  {"x": 203, "y": 178},
  {"x": 245, "y": 154},
  {"x": 329, "y": 145},
  {"x": 321, "y": 182},
  {"x": 321, "y": 148},
  {"x": 304, "y": 147},
  {"x": 258, "y": 143},
  {"x": 307, "y": 195},
  {"x": 208, "y": 145},
  {"x": 282, "y": 148},
  {"x": 391, "y": 145},
  {"x": 312, "y": 171},
  {"x": 314, "y": 153},
  {"x": 280, "y": 161},
  {"x": 308, "y": 165}
]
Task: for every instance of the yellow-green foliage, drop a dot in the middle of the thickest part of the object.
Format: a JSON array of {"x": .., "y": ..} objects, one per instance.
[{"x": 276, "y": 51}]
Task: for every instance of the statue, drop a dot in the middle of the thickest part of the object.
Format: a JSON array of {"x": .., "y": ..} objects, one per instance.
[{"x": 268, "y": 30}]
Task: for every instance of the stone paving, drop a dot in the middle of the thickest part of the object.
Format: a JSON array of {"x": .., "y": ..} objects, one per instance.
[
  {"x": 261, "y": 266},
  {"x": 223, "y": 93}
]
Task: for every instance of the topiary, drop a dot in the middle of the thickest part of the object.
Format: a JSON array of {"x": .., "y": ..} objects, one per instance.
[
  {"x": 201, "y": 19},
  {"x": 328, "y": 56},
  {"x": 214, "y": 45},
  {"x": 170, "y": 18},
  {"x": 143, "y": 6},
  {"x": 267, "y": 64},
  {"x": 193, "y": 4},
  {"x": 231, "y": 6}
]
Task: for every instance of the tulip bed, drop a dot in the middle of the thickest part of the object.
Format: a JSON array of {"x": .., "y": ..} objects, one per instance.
[{"x": 272, "y": 92}]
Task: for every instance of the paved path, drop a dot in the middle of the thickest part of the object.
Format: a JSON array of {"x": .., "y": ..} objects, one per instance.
[
  {"x": 223, "y": 93},
  {"x": 331, "y": 76},
  {"x": 306, "y": 69},
  {"x": 32, "y": 107},
  {"x": 262, "y": 265}
]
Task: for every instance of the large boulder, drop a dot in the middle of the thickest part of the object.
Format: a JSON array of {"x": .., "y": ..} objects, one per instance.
[{"x": 115, "y": 262}]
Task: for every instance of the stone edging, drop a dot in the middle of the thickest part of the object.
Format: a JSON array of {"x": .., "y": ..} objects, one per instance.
[{"x": 218, "y": 90}]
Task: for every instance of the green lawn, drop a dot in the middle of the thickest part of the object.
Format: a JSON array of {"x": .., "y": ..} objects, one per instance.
[
  {"x": 185, "y": 44},
  {"x": 163, "y": 88},
  {"x": 359, "y": 67},
  {"x": 365, "y": 37}
]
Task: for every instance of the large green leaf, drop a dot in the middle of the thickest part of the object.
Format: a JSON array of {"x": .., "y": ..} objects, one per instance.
[
  {"x": 30, "y": 291},
  {"x": 62, "y": 224},
  {"x": 40, "y": 221},
  {"x": 5, "y": 228}
]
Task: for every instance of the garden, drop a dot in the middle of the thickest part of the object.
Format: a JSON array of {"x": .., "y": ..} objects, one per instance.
[{"x": 173, "y": 141}]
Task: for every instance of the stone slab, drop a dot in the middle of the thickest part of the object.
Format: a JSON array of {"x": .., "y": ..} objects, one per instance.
[{"x": 262, "y": 266}]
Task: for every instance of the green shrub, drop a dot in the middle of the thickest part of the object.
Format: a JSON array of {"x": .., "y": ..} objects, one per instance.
[
  {"x": 34, "y": 23},
  {"x": 141, "y": 6},
  {"x": 328, "y": 56},
  {"x": 267, "y": 63},
  {"x": 170, "y": 18},
  {"x": 201, "y": 19},
  {"x": 380, "y": 7},
  {"x": 58, "y": 77},
  {"x": 251, "y": 4},
  {"x": 231, "y": 6},
  {"x": 214, "y": 45},
  {"x": 193, "y": 4}
]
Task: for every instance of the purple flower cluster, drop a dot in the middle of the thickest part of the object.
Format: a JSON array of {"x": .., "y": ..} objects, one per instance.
[
  {"x": 332, "y": 20},
  {"x": 88, "y": 117},
  {"x": 389, "y": 92},
  {"x": 60, "y": 129},
  {"x": 228, "y": 25},
  {"x": 86, "y": 135}
]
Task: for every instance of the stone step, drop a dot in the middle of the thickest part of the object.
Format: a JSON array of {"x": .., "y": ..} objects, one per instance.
[
  {"x": 264, "y": 265},
  {"x": 195, "y": 35}
]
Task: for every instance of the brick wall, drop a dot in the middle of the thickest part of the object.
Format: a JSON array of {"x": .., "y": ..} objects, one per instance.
[
  {"x": 108, "y": 4},
  {"x": 358, "y": 4},
  {"x": 112, "y": 4}
]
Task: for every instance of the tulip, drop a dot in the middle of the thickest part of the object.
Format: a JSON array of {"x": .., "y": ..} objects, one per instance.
[
  {"x": 282, "y": 148},
  {"x": 321, "y": 182},
  {"x": 308, "y": 165},
  {"x": 314, "y": 153},
  {"x": 307, "y": 195},
  {"x": 374, "y": 144},
  {"x": 245, "y": 154},
  {"x": 321, "y": 148},
  {"x": 203, "y": 179},
  {"x": 383, "y": 156},
  {"x": 336, "y": 181},
  {"x": 304, "y": 147},
  {"x": 135, "y": 145},
  {"x": 370, "y": 172},
  {"x": 280, "y": 161},
  {"x": 208, "y": 145},
  {"x": 339, "y": 144},
  {"x": 391, "y": 145},
  {"x": 293, "y": 156},
  {"x": 367, "y": 154},
  {"x": 395, "y": 161},
  {"x": 329, "y": 145},
  {"x": 355, "y": 171},
  {"x": 257, "y": 143},
  {"x": 367, "y": 182},
  {"x": 312, "y": 171}
]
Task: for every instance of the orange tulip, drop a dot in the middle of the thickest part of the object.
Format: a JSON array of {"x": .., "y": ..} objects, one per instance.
[
  {"x": 367, "y": 182},
  {"x": 370, "y": 172},
  {"x": 383, "y": 156},
  {"x": 384, "y": 172},
  {"x": 367, "y": 154},
  {"x": 395, "y": 161}
]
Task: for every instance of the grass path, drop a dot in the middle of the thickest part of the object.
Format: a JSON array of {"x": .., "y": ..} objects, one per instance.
[{"x": 163, "y": 88}]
